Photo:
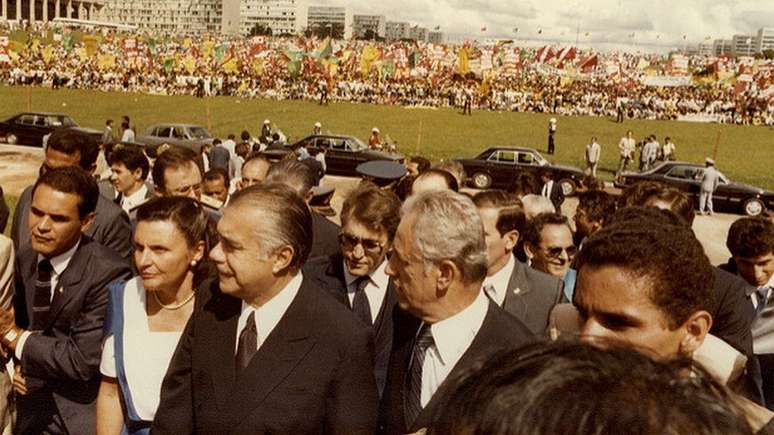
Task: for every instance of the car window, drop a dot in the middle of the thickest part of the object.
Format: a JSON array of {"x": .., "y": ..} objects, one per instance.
[
  {"x": 338, "y": 144},
  {"x": 54, "y": 121},
  {"x": 506, "y": 157},
  {"x": 356, "y": 144},
  {"x": 40, "y": 121},
  {"x": 178, "y": 133},
  {"x": 493, "y": 157},
  {"x": 526, "y": 159},
  {"x": 685, "y": 173},
  {"x": 164, "y": 132},
  {"x": 198, "y": 133},
  {"x": 67, "y": 121}
]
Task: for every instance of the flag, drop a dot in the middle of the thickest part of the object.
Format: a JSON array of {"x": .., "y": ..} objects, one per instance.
[
  {"x": 208, "y": 49},
  {"x": 566, "y": 54},
  {"x": 589, "y": 64},
  {"x": 106, "y": 61},
  {"x": 368, "y": 56},
  {"x": 544, "y": 54},
  {"x": 68, "y": 41},
  {"x": 463, "y": 61},
  {"x": 48, "y": 53},
  {"x": 230, "y": 66},
  {"x": 294, "y": 67},
  {"x": 169, "y": 64},
  {"x": 189, "y": 63},
  {"x": 326, "y": 49},
  {"x": 91, "y": 43},
  {"x": 258, "y": 66}
]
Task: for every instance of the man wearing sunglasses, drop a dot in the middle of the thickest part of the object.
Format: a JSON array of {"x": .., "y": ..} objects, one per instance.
[
  {"x": 355, "y": 275},
  {"x": 177, "y": 172},
  {"x": 526, "y": 293},
  {"x": 549, "y": 245}
]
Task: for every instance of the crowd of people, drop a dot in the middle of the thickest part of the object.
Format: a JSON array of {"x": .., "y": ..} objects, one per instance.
[
  {"x": 499, "y": 77},
  {"x": 138, "y": 304}
]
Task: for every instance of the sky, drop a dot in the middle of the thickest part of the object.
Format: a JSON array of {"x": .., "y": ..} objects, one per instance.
[{"x": 654, "y": 23}]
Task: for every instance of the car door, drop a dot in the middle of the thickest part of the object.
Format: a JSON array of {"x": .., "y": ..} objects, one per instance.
[
  {"x": 347, "y": 155},
  {"x": 506, "y": 168},
  {"x": 685, "y": 178},
  {"x": 26, "y": 131}
]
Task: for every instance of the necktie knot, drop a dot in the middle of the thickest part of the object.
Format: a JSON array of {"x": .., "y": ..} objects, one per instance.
[
  {"x": 44, "y": 266},
  {"x": 424, "y": 338},
  {"x": 248, "y": 343},
  {"x": 360, "y": 304}
]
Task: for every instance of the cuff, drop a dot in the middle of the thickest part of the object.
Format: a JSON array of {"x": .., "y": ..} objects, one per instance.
[{"x": 20, "y": 344}]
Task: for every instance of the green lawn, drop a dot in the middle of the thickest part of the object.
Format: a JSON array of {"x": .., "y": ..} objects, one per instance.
[
  {"x": 745, "y": 154},
  {"x": 11, "y": 201}
]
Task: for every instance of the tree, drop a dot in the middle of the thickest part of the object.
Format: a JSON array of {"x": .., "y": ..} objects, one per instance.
[
  {"x": 768, "y": 53},
  {"x": 260, "y": 30}
]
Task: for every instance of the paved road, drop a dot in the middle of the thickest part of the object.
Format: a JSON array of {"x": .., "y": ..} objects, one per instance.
[{"x": 19, "y": 168}]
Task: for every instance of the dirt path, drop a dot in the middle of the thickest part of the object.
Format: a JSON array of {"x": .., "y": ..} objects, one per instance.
[{"x": 19, "y": 167}]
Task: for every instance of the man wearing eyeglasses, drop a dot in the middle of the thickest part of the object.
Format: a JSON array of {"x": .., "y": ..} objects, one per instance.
[
  {"x": 526, "y": 293},
  {"x": 355, "y": 276},
  {"x": 549, "y": 245}
]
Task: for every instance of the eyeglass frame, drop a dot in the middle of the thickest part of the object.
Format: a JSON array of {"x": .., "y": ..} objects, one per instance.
[
  {"x": 571, "y": 251},
  {"x": 377, "y": 247}
]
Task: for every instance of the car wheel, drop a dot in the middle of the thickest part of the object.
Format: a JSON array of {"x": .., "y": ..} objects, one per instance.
[
  {"x": 568, "y": 186},
  {"x": 11, "y": 139},
  {"x": 481, "y": 180},
  {"x": 753, "y": 207}
]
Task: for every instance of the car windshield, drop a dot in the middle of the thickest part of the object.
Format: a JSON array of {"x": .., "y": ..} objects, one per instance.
[
  {"x": 68, "y": 122},
  {"x": 356, "y": 144},
  {"x": 540, "y": 160},
  {"x": 198, "y": 133}
]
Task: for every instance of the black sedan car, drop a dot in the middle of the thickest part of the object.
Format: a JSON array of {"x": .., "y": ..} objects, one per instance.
[
  {"x": 496, "y": 168},
  {"x": 29, "y": 128},
  {"x": 344, "y": 153},
  {"x": 729, "y": 197}
]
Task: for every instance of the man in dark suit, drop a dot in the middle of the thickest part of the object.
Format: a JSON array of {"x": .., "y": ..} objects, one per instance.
[
  {"x": 129, "y": 168},
  {"x": 265, "y": 352},
  {"x": 552, "y": 190},
  {"x": 59, "y": 304},
  {"x": 219, "y": 156},
  {"x": 110, "y": 226},
  {"x": 355, "y": 276},
  {"x": 302, "y": 178},
  {"x": 526, "y": 293},
  {"x": 438, "y": 263}
]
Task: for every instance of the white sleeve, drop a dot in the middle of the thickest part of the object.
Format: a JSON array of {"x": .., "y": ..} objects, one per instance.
[{"x": 107, "y": 365}]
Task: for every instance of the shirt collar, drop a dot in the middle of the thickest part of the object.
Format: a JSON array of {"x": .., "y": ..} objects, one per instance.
[
  {"x": 136, "y": 197},
  {"x": 378, "y": 276},
  {"x": 61, "y": 261},
  {"x": 452, "y": 336},
  {"x": 268, "y": 316},
  {"x": 500, "y": 280}
]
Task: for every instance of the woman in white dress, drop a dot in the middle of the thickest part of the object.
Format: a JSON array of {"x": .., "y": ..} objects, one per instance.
[{"x": 147, "y": 314}]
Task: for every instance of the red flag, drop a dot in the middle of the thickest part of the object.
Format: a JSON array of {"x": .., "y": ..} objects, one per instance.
[
  {"x": 588, "y": 64},
  {"x": 544, "y": 54}
]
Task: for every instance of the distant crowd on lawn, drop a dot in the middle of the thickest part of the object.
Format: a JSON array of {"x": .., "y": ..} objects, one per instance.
[{"x": 501, "y": 77}]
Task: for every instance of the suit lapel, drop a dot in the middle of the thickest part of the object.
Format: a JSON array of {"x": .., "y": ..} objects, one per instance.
[
  {"x": 518, "y": 286},
  {"x": 383, "y": 318},
  {"x": 67, "y": 287},
  {"x": 218, "y": 339},
  {"x": 335, "y": 281},
  {"x": 289, "y": 342},
  {"x": 28, "y": 269}
]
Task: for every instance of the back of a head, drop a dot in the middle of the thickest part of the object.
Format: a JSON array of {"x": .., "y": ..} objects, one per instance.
[
  {"x": 372, "y": 207},
  {"x": 455, "y": 168},
  {"x": 70, "y": 141},
  {"x": 294, "y": 174},
  {"x": 598, "y": 205},
  {"x": 447, "y": 226},
  {"x": 434, "y": 179},
  {"x": 173, "y": 157},
  {"x": 655, "y": 245},
  {"x": 668, "y": 198},
  {"x": 525, "y": 183},
  {"x": 535, "y": 205},
  {"x": 285, "y": 219},
  {"x": 636, "y": 194},
  {"x": 751, "y": 237},
  {"x": 572, "y": 388},
  {"x": 75, "y": 181},
  {"x": 510, "y": 209}
]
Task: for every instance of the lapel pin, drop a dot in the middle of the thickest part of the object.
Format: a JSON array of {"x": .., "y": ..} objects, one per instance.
[{"x": 517, "y": 290}]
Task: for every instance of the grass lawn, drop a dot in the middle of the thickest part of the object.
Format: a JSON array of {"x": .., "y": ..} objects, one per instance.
[
  {"x": 11, "y": 201},
  {"x": 745, "y": 154}
]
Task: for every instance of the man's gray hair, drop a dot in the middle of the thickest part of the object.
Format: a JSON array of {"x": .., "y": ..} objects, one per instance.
[{"x": 447, "y": 226}]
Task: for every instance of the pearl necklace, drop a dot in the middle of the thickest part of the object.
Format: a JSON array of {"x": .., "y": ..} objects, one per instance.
[{"x": 173, "y": 306}]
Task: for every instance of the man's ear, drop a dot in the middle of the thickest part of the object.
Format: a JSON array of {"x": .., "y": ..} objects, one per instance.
[
  {"x": 695, "y": 328},
  {"x": 87, "y": 220},
  {"x": 511, "y": 239},
  {"x": 446, "y": 274},
  {"x": 137, "y": 174},
  {"x": 529, "y": 250},
  {"x": 283, "y": 257}
]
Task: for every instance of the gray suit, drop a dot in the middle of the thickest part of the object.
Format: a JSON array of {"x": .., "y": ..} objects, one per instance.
[
  {"x": 709, "y": 182},
  {"x": 531, "y": 296},
  {"x": 110, "y": 227}
]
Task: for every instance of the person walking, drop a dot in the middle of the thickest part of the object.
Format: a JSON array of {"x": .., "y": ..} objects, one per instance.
[
  {"x": 593, "y": 152},
  {"x": 551, "y": 133},
  {"x": 709, "y": 182},
  {"x": 626, "y": 148}
]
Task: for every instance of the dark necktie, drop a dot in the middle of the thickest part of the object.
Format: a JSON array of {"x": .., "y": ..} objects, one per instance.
[
  {"x": 360, "y": 305},
  {"x": 248, "y": 344},
  {"x": 41, "y": 306},
  {"x": 413, "y": 403},
  {"x": 763, "y": 297}
]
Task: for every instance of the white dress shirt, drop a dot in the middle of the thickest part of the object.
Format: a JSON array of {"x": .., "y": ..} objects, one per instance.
[
  {"x": 375, "y": 289},
  {"x": 762, "y": 327},
  {"x": 128, "y": 202},
  {"x": 547, "y": 188},
  {"x": 59, "y": 265},
  {"x": 451, "y": 338},
  {"x": 268, "y": 315},
  {"x": 499, "y": 281}
]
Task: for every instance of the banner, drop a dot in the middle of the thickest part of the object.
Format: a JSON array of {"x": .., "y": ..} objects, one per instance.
[
  {"x": 91, "y": 43},
  {"x": 666, "y": 81}
]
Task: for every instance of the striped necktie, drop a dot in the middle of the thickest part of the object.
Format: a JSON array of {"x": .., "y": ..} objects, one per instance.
[
  {"x": 41, "y": 306},
  {"x": 413, "y": 400}
]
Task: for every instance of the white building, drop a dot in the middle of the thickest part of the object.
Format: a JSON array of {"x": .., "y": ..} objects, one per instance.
[
  {"x": 721, "y": 46},
  {"x": 47, "y": 10},
  {"x": 418, "y": 33},
  {"x": 742, "y": 45},
  {"x": 395, "y": 30},
  {"x": 765, "y": 39},
  {"x": 180, "y": 16},
  {"x": 361, "y": 24},
  {"x": 435, "y": 37},
  {"x": 706, "y": 49},
  {"x": 281, "y": 16},
  {"x": 323, "y": 16}
]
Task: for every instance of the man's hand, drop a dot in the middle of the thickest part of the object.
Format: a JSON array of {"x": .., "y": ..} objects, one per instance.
[
  {"x": 7, "y": 319},
  {"x": 19, "y": 381}
]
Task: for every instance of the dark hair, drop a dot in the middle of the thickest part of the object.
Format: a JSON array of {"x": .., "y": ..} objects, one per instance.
[
  {"x": 173, "y": 157},
  {"x": 448, "y": 178},
  {"x": 455, "y": 168},
  {"x": 70, "y": 141},
  {"x": 572, "y": 388},
  {"x": 216, "y": 174},
  {"x": 510, "y": 210},
  {"x": 286, "y": 219},
  {"x": 536, "y": 225},
  {"x": 72, "y": 180},
  {"x": 636, "y": 194},
  {"x": 293, "y": 173},
  {"x": 130, "y": 156},
  {"x": 373, "y": 208},
  {"x": 108, "y": 122},
  {"x": 655, "y": 245},
  {"x": 751, "y": 237},
  {"x": 216, "y": 142},
  {"x": 402, "y": 188},
  {"x": 245, "y": 135},
  {"x": 525, "y": 183},
  {"x": 191, "y": 220},
  {"x": 679, "y": 203},
  {"x": 422, "y": 163},
  {"x": 598, "y": 205}
]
